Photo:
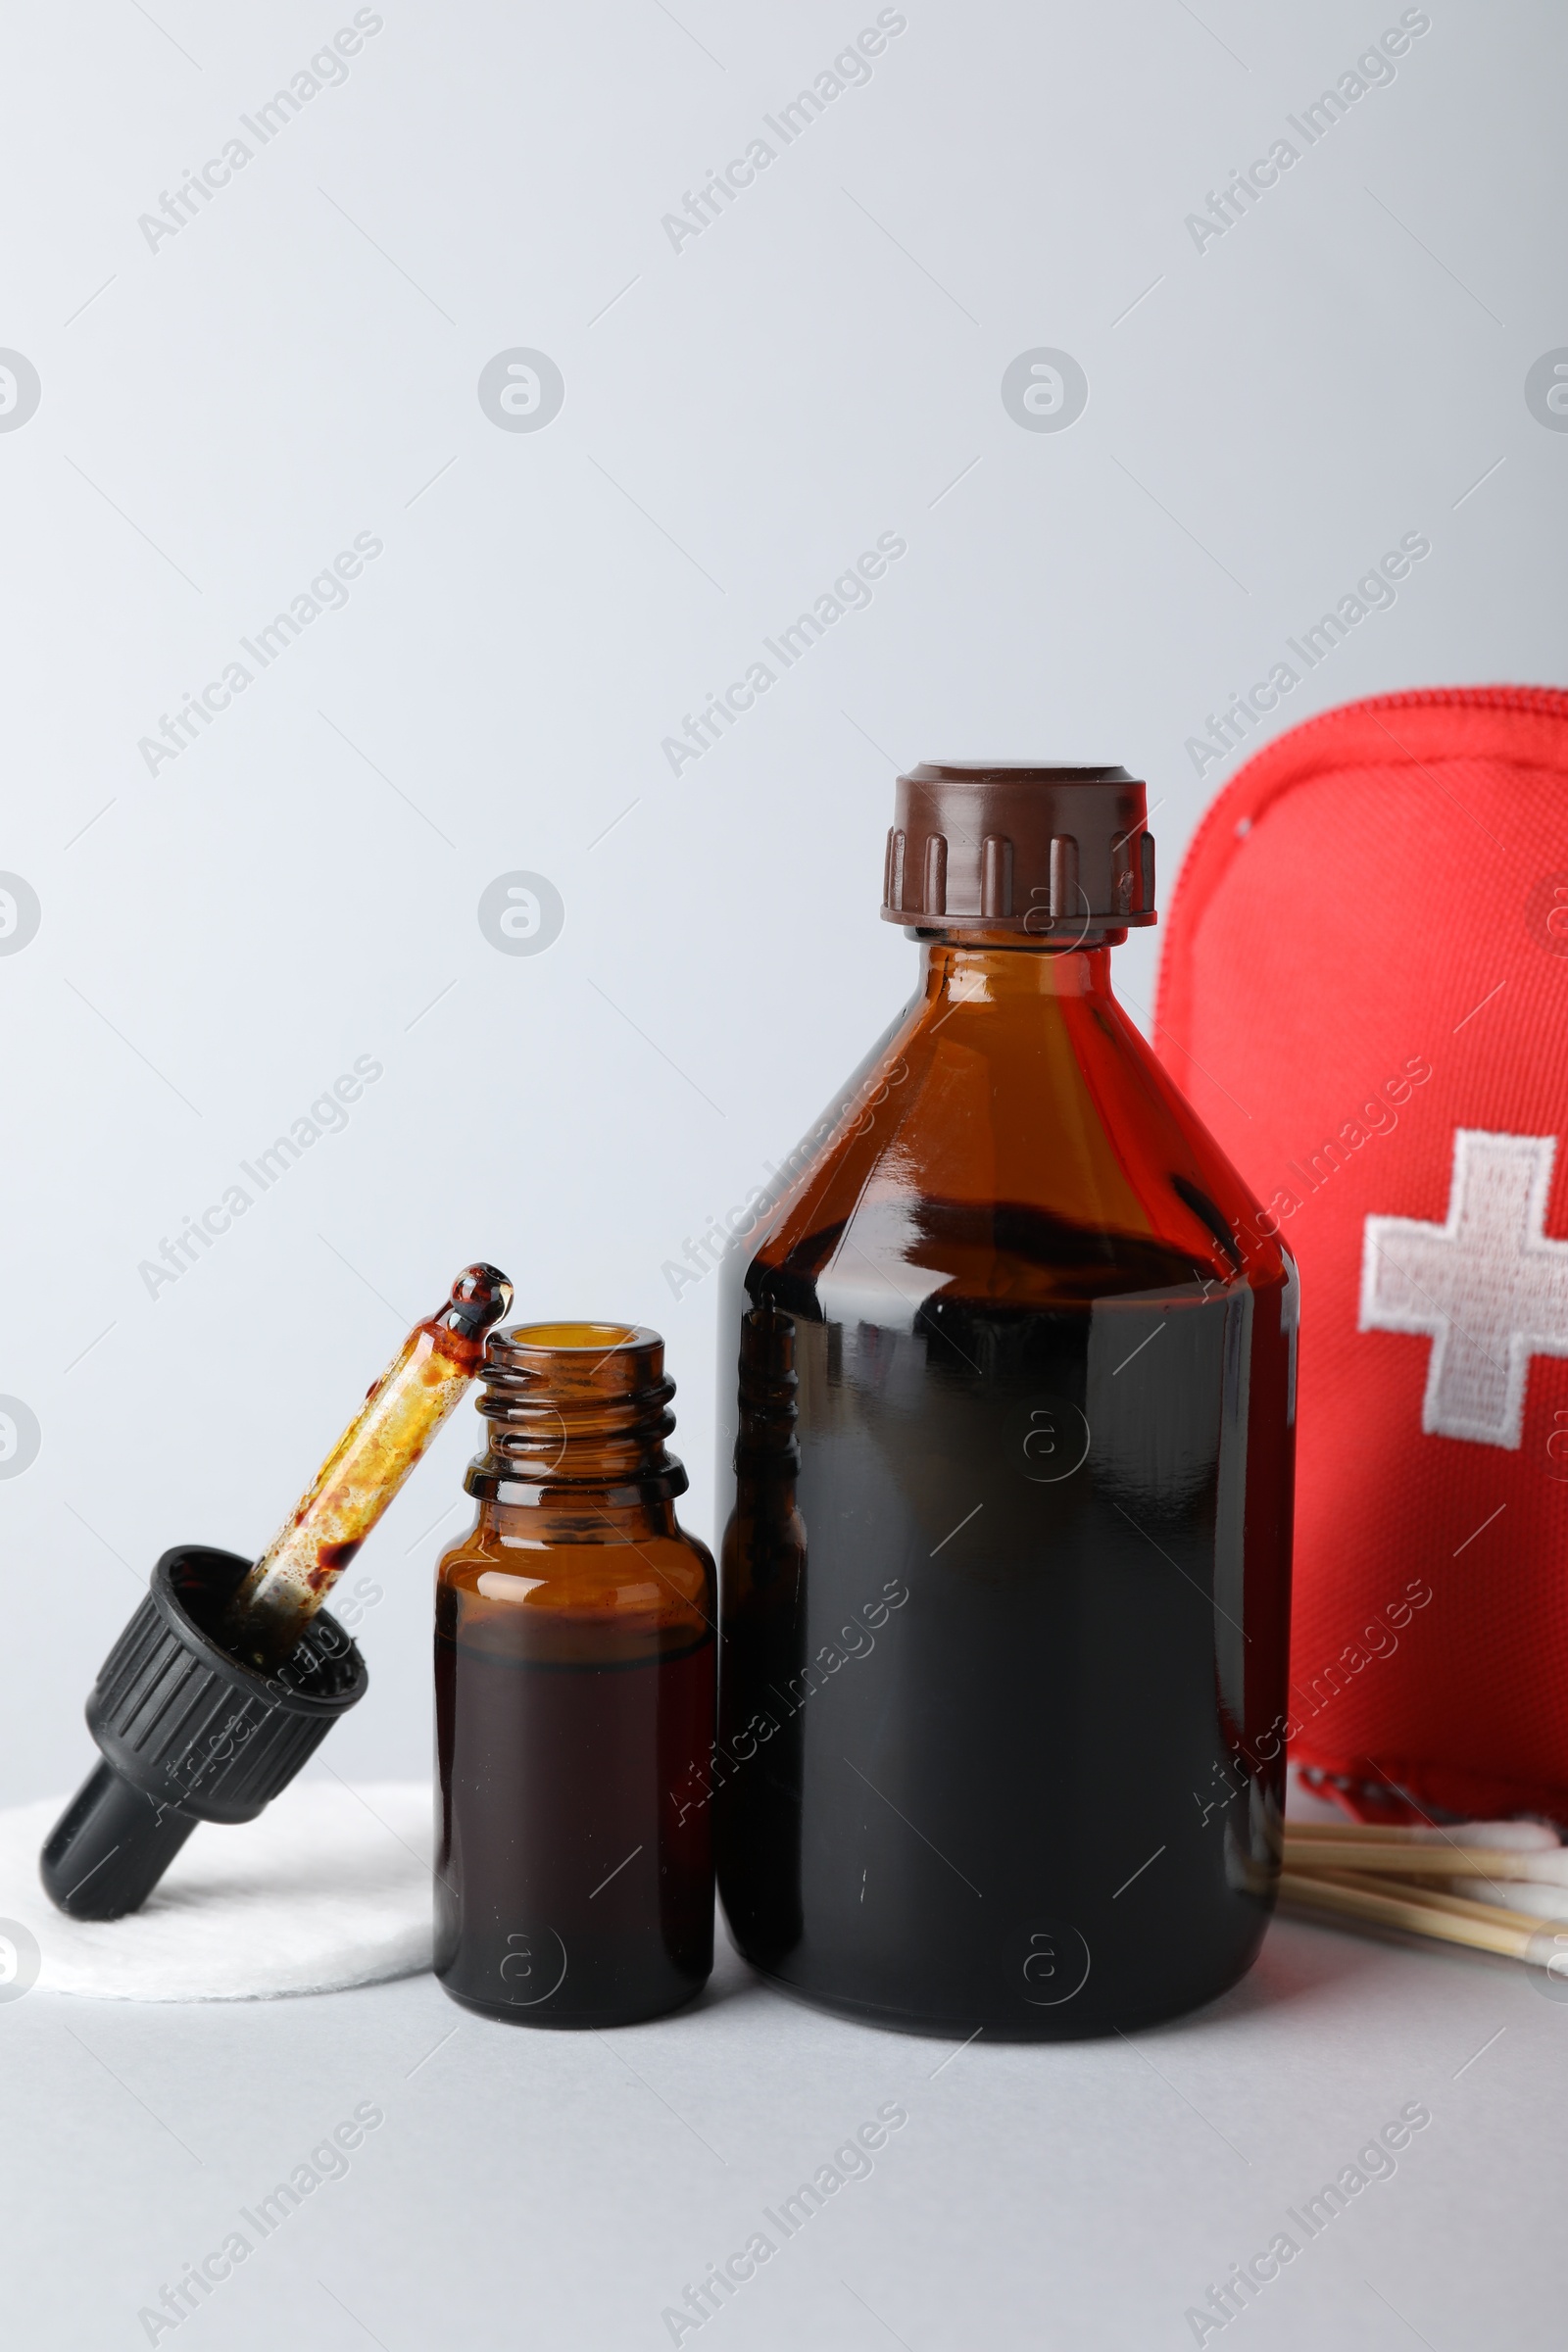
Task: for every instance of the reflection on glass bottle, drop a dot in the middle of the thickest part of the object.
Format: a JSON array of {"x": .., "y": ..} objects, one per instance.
[{"x": 762, "y": 1652}]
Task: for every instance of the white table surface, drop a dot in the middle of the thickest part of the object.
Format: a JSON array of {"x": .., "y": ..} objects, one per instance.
[{"x": 531, "y": 2188}]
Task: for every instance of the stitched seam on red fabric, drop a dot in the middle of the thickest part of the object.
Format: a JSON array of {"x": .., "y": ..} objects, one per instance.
[
  {"x": 1419, "y": 1773},
  {"x": 1545, "y": 702},
  {"x": 1187, "y": 905}
]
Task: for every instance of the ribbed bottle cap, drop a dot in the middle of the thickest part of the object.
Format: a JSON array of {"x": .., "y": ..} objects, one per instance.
[{"x": 1063, "y": 855}]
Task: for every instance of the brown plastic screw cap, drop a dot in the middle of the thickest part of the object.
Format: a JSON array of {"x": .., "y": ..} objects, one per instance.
[{"x": 1059, "y": 854}]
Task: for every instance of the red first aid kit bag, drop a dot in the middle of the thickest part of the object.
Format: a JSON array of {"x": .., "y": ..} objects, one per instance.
[{"x": 1365, "y": 990}]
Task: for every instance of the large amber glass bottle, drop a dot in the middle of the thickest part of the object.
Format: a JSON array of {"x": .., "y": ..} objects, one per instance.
[
  {"x": 574, "y": 1669},
  {"x": 1005, "y": 1581}
]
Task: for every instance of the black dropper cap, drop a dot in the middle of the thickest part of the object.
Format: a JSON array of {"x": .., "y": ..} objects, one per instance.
[{"x": 188, "y": 1733}]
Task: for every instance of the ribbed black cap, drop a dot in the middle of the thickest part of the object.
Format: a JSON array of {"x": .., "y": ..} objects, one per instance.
[{"x": 188, "y": 1733}]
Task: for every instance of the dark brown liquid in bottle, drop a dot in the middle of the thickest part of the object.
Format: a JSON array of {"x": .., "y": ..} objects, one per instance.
[
  {"x": 574, "y": 1686},
  {"x": 1006, "y": 1585},
  {"x": 570, "y": 1889}
]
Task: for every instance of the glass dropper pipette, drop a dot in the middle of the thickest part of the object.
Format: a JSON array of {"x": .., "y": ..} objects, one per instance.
[{"x": 273, "y": 1605}]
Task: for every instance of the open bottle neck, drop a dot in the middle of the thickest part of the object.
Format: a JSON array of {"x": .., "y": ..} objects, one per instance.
[{"x": 578, "y": 1414}]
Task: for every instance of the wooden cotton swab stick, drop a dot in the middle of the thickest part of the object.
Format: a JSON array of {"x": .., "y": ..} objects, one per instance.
[
  {"x": 1450, "y": 1860},
  {"x": 1526, "y": 1837},
  {"x": 1440, "y": 1898},
  {"x": 1350, "y": 1898}
]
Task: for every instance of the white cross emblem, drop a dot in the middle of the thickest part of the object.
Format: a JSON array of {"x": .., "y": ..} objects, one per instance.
[{"x": 1487, "y": 1288}]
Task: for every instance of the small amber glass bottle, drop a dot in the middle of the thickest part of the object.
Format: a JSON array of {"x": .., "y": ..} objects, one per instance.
[{"x": 575, "y": 1676}]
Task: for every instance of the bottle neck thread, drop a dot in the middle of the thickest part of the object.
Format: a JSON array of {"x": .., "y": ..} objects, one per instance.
[{"x": 576, "y": 1411}]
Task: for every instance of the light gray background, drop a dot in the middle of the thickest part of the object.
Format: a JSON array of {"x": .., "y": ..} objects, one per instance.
[
  {"x": 218, "y": 418},
  {"x": 297, "y": 889}
]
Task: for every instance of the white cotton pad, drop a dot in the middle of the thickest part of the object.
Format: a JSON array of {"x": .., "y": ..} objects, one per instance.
[{"x": 329, "y": 1887}]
